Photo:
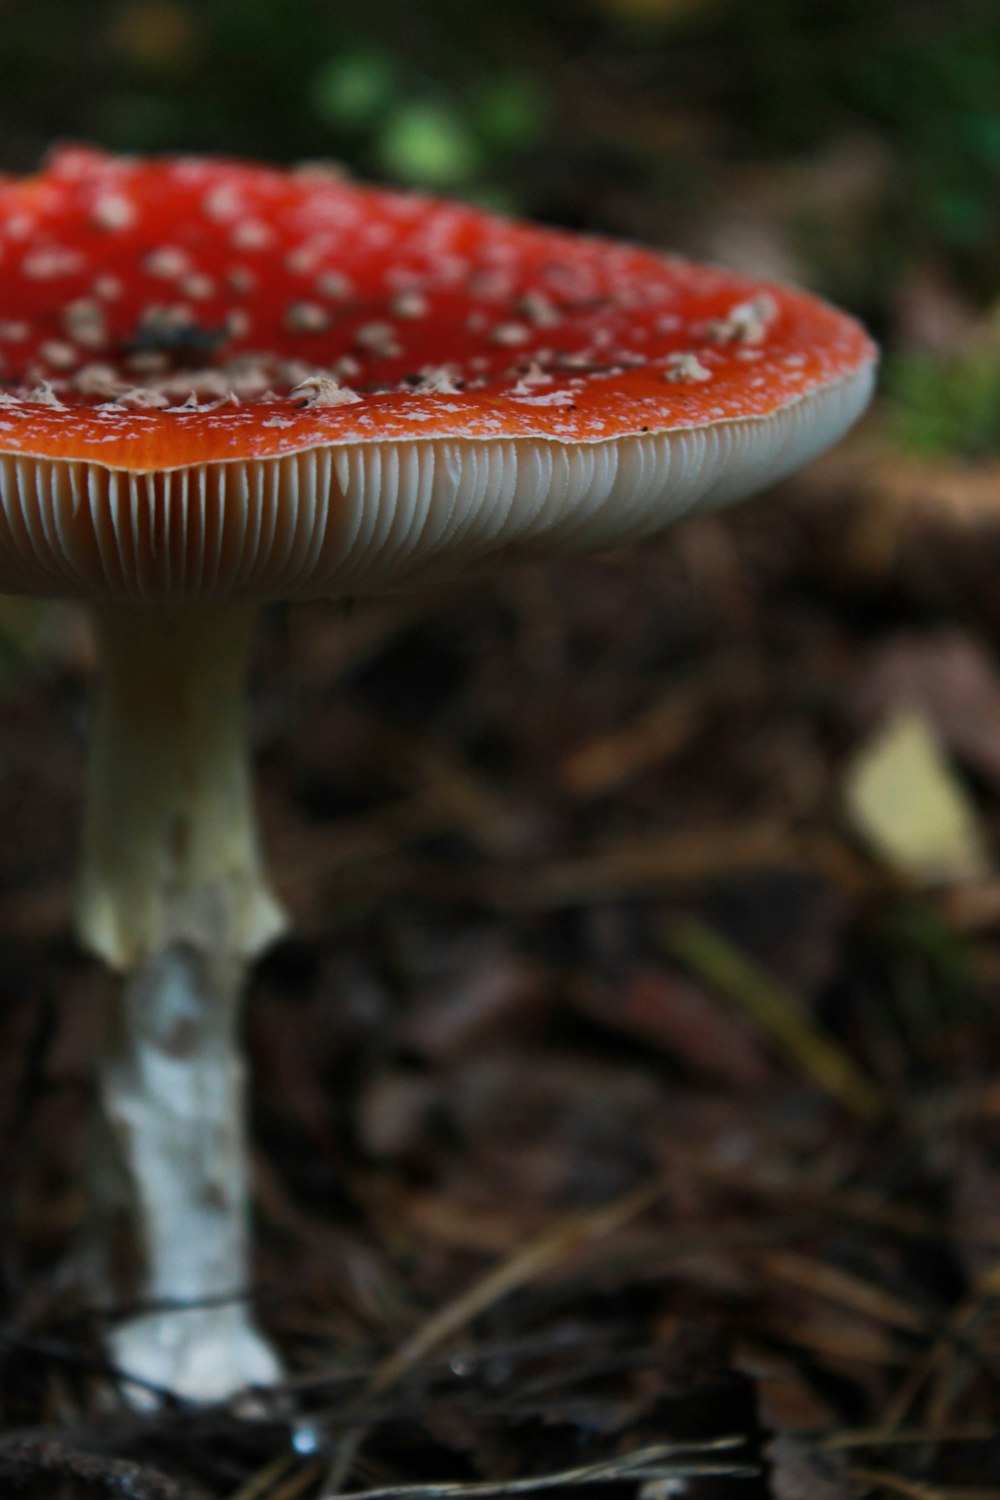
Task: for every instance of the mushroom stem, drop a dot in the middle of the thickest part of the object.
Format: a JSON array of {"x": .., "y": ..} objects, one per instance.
[
  {"x": 173, "y": 898},
  {"x": 170, "y": 845}
]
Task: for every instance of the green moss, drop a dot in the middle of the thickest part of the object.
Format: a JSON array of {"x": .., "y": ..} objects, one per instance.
[{"x": 946, "y": 407}]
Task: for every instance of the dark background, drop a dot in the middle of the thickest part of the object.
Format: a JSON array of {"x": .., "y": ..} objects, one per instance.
[{"x": 589, "y": 898}]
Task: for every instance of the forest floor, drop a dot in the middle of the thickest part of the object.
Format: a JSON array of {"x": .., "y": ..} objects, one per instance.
[{"x": 623, "y": 1123}]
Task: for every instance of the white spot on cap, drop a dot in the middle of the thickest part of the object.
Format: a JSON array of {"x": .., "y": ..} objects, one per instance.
[
  {"x": 409, "y": 305},
  {"x": 579, "y": 359},
  {"x": 141, "y": 398},
  {"x": 510, "y": 334},
  {"x": 306, "y": 317},
  {"x": 347, "y": 366},
  {"x": 247, "y": 377},
  {"x": 323, "y": 390},
  {"x": 222, "y": 203},
  {"x": 85, "y": 323},
  {"x": 182, "y": 385},
  {"x": 47, "y": 263},
  {"x": 97, "y": 380},
  {"x": 304, "y": 259},
  {"x": 322, "y": 169},
  {"x": 291, "y": 372},
  {"x": 148, "y": 361},
  {"x": 111, "y": 211},
  {"x": 684, "y": 367},
  {"x": 377, "y": 339},
  {"x": 43, "y": 395},
  {"x": 539, "y": 309},
  {"x": 168, "y": 262},
  {"x": 333, "y": 284},
  {"x": 252, "y": 234},
  {"x": 438, "y": 379},
  {"x": 746, "y": 323},
  {"x": 60, "y": 355},
  {"x": 532, "y": 376},
  {"x": 197, "y": 286},
  {"x": 546, "y": 398},
  {"x": 237, "y": 323},
  {"x": 161, "y": 319}
]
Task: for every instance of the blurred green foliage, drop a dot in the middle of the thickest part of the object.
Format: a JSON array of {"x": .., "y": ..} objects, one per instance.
[
  {"x": 946, "y": 407},
  {"x": 353, "y": 90},
  {"x": 421, "y": 135},
  {"x": 924, "y": 76}
]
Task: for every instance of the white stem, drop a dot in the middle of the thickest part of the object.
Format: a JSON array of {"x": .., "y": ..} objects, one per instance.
[
  {"x": 170, "y": 849},
  {"x": 172, "y": 895}
]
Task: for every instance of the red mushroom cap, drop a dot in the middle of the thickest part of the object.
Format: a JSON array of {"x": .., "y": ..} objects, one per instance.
[{"x": 273, "y": 338}]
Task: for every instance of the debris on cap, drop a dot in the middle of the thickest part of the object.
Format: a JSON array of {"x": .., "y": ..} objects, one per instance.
[
  {"x": 686, "y": 367},
  {"x": 188, "y": 272},
  {"x": 323, "y": 390}
]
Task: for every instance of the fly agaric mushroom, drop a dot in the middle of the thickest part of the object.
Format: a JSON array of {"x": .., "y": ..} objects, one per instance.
[{"x": 224, "y": 384}]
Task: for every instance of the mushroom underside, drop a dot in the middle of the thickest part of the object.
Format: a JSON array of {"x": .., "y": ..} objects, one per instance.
[{"x": 361, "y": 518}]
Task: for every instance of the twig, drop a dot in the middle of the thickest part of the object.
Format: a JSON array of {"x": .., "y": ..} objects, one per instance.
[
  {"x": 25, "y": 1459},
  {"x": 874, "y": 1437},
  {"x": 283, "y": 1479},
  {"x": 775, "y": 1011},
  {"x": 258, "y": 1485},
  {"x": 641, "y": 1464},
  {"x": 537, "y": 1257},
  {"x": 296, "y": 1483},
  {"x": 525, "y": 1265},
  {"x": 843, "y": 1289}
]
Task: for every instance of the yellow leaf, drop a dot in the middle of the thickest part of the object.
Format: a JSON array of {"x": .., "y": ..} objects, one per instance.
[{"x": 904, "y": 799}]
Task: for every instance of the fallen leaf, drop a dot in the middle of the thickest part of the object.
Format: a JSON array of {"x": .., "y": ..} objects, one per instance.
[{"x": 905, "y": 801}]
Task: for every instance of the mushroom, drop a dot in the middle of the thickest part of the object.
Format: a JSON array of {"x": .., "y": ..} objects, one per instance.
[{"x": 225, "y": 384}]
